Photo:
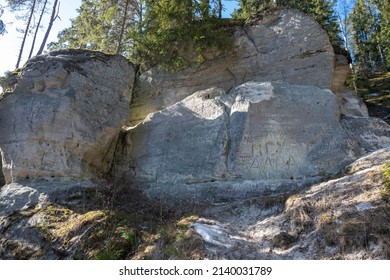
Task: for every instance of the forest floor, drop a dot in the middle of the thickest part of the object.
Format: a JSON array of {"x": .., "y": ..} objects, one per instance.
[{"x": 346, "y": 217}]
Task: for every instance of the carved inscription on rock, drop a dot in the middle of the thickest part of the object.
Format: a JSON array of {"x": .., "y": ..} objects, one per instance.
[{"x": 271, "y": 156}]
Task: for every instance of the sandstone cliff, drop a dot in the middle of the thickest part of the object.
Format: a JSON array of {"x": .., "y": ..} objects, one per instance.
[
  {"x": 259, "y": 138},
  {"x": 270, "y": 118},
  {"x": 281, "y": 45},
  {"x": 64, "y": 115}
]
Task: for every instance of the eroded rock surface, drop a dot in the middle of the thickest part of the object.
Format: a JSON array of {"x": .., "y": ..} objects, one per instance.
[
  {"x": 350, "y": 104},
  {"x": 371, "y": 133},
  {"x": 64, "y": 115},
  {"x": 279, "y": 45},
  {"x": 341, "y": 72},
  {"x": 260, "y": 138}
]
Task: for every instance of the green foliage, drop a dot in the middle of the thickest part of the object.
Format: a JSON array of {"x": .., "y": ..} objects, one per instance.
[
  {"x": 102, "y": 25},
  {"x": 171, "y": 251},
  {"x": 112, "y": 251},
  {"x": 384, "y": 8},
  {"x": 370, "y": 21},
  {"x": 130, "y": 236},
  {"x": 177, "y": 33},
  {"x": 386, "y": 173},
  {"x": 173, "y": 34}
]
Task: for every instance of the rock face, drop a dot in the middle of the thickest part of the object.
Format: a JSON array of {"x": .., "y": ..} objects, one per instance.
[
  {"x": 259, "y": 138},
  {"x": 371, "y": 133},
  {"x": 280, "y": 45},
  {"x": 64, "y": 116},
  {"x": 341, "y": 72},
  {"x": 350, "y": 104}
]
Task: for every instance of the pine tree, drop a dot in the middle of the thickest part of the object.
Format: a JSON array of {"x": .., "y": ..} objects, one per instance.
[
  {"x": 54, "y": 15},
  {"x": 369, "y": 42},
  {"x": 171, "y": 33},
  {"x": 32, "y": 10},
  {"x": 103, "y": 25},
  {"x": 176, "y": 33},
  {"x": 384, "y": 9},
  {"x": 37, "y": 28}
]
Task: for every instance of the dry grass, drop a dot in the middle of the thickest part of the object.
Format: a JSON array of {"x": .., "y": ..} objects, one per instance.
[{"x": 120, "y": 223}]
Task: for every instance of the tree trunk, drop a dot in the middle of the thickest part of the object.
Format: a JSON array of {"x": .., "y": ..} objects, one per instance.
[
  {"x": 119, "y": 48},
  {"x": 53, "y": 17},
  {"x": 220, "y": 9},
  {"x": 25, "y": 33},
  {"x": 205, "y": 6},
  {"x": 37, "y": 29}
]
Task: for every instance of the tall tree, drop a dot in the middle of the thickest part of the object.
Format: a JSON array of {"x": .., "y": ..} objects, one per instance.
[
  {"x": 54, "y": 15},
  {"x": 122, "y": 29},
  {"x": 369, "y": 44},
  {"x": 343, "y": 10},
  {"x": 104, "y": 25},
  {"x": 176, "y": 33},
  {"x": 154, "y": 30},
  {"x": 384, "y": 10},
  {"x": 32, "y": 10},
  {"x": 37, "y": 28}
]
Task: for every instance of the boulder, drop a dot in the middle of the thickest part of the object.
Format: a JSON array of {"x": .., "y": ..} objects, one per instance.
[
  {"x": 34, "y": 194},
  {"x": 260, "y": 138},
  {"x": 280, "y": 44},
  {"x": 350, "y": 104},
  {"x": 64, "y": 115}
]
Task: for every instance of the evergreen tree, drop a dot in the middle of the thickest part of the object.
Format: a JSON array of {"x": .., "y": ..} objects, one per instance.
[
  {"x": 103, "y": 25},
  {"x": 176, "y": 33},
  {"x": 384, "y": 10},
  {"x": 369, "y": 40},
  {"x": 172, "y": 33},
  {"x": 30, "y": 10},
  {"x": 26, "y": 31},
  {"x": 54, "y": 15},
  {"x": 37, "y": 28}
]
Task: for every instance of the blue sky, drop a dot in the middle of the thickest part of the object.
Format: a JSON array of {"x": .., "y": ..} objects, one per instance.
[{"x": 11, "y": 41}]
